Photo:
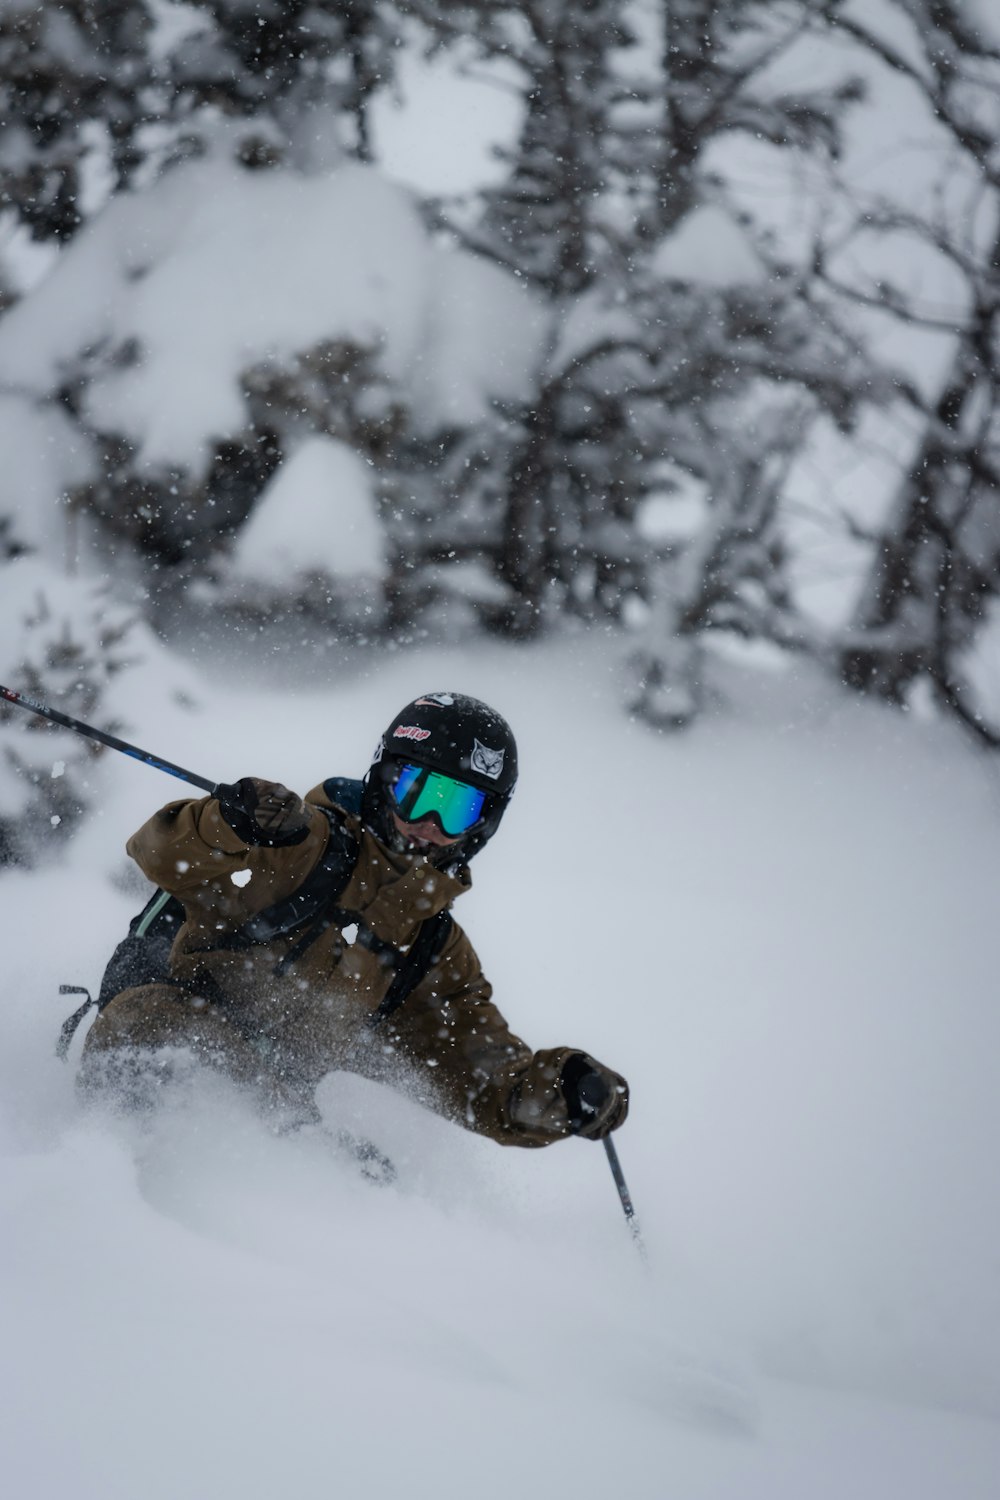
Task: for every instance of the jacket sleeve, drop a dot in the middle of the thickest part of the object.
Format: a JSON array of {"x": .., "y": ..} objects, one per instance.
[
  {"x": 483, "y": 1076},
  {"x": 189, "y": 849}
]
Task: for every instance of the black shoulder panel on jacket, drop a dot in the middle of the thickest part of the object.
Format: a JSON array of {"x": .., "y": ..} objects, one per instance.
[{"x": 345, "y": 792}]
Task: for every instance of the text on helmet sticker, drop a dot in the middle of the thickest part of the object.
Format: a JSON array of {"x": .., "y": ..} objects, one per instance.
[
  {"x": 486, "y": 761},
  {"x": 410, "y": 732}
]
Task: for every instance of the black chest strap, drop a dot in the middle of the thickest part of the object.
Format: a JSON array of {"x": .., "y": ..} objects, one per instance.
[
  {"x": 321, "y": 886},
  {"x": 342, "y": 917},
  {"x": 411, "y": 965},
  {"x": 424, "y": 953}
]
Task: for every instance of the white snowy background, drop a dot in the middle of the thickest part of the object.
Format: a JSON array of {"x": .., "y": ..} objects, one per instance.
[{"x": 780, "y": 928}]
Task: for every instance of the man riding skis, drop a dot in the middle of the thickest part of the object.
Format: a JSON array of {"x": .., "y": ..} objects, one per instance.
[{"x": 316, "y": 935}]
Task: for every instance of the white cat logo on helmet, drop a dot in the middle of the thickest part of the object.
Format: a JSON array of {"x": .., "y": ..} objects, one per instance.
[
  {"x": 435, "y": 700},
  {"x": 486, "y": 761}
]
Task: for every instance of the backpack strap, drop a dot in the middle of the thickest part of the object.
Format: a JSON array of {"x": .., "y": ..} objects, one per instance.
[
  {"x": 423, "y": 954},
  {"x": 67, "y": 1030},
  {"x": 313, "y": 896},
  {"x": 160, "y": 910},
  {"x": 342, "y": 917}
]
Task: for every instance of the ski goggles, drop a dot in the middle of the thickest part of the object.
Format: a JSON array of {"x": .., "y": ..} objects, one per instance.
[{"x": 418, "y": 792}]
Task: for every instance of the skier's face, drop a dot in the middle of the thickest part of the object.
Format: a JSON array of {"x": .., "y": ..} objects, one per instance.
[{"x": 423, "y": 834}]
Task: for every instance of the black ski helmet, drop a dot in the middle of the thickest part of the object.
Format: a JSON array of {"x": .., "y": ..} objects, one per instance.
[{"x": 458, "y": 736}]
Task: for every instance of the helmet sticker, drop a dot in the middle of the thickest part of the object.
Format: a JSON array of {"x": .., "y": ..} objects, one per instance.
[
  {"x": 435, "y": 700},
  {"x": 410, "y": 732},
  {"x": 486, "y": 761},
  {"x": 379, "y": 752}
]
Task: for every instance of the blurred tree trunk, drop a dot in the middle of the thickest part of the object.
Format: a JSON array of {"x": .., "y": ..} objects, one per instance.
[
  {"x": 526, "y": 543},
  {"x": 939, "y": 559},
  {"x": 729, "y": 577},
  {"x": 937, "y": 565},
  {"x": 608, "y": 166}
]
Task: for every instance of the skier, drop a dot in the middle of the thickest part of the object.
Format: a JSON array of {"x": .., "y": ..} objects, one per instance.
[{"x": 315, "y": 935}]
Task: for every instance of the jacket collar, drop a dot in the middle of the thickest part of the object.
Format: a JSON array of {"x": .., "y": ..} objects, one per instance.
[{"x": 396, "y": 889}]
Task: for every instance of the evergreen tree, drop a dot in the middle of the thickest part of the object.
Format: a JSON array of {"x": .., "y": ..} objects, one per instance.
[
  {"x": 64, "y": 641},
  {"x": 100, "y": 99},
  {"x": 716, "y": 77},
  {"x": 303, "y": 71},
  {"x": 76, "y": 87},
  {"x": 96, "y": 96},
  {"x": 544, "y": 221},
  {"x": 650, "y": 365},
  {"x": 609, "y": 165}
]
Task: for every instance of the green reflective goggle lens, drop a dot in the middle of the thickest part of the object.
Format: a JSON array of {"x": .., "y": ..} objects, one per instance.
[{"x": 417, "y": 792}]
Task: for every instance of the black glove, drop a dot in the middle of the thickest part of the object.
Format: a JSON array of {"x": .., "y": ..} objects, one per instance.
[
  {"x": 263, "y": 812},
  {"x": 596, "y": 1098}
]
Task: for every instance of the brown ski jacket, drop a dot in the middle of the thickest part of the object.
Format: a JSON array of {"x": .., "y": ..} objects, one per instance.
[{"x": 447, "y": 1043}]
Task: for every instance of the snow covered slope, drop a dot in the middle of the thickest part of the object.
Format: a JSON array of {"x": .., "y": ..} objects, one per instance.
[{"x": 780, "y": 928}]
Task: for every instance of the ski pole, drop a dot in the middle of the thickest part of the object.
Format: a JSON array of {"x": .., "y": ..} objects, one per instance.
[
  {"x": 106, "y": 739},
  {"x": 625, "y": 1196}
]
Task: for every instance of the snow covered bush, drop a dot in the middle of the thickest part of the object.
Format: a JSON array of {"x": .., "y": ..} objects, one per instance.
[
  {"x": 96, "y": 98},
  {"x": 63, "y": 642},
  {"x": 201, "y": 332},
  {"x": 314, "y": 539}
]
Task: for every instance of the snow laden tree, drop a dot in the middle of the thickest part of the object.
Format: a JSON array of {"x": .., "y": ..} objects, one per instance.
[
  {"x": 190, "y": 413},
  {"x": 303, "y": 71},
  {"x": 488, "y": 497},
  {"x": 540, "y": 221},
  {"x": 663, "y": 353},
  {"x": 682, "y": 343},
  {"x": 64, "y": 643},
  {"x": 936, "y": 569},
  {"x": 101, "y": 101},
  {"x": 729, "y": 351},
  {"x": 95, "y": 97},
  {"x": 75, "y": 87}
]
